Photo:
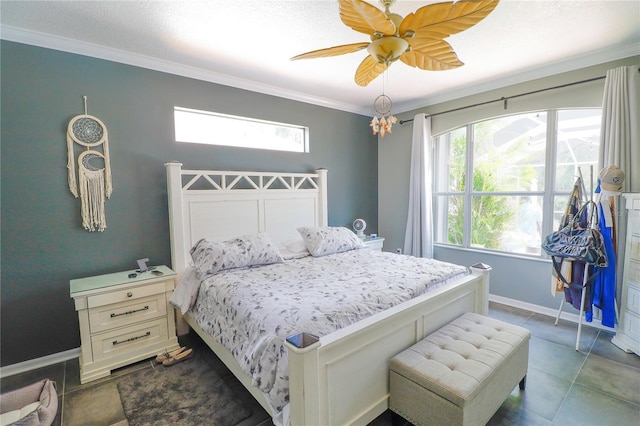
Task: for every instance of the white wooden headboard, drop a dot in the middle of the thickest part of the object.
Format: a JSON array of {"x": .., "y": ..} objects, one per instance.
[{"x": 219, "y": 205}]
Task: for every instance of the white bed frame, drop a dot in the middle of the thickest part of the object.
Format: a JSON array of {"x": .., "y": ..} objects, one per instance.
[{"x": 344, "y": 378}]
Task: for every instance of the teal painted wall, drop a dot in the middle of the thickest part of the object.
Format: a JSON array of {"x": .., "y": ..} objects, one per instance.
[{"x": 43, "y": 243}]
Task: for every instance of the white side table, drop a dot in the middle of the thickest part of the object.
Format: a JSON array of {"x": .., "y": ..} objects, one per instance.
[
  {"x": 123, "y": 320},
  {"x": 627, "y": 336},
  {"x": 373, "y": 243}
]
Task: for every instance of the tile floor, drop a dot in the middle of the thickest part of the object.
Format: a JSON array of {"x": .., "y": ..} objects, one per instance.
[{"x": 598, "y": 385}]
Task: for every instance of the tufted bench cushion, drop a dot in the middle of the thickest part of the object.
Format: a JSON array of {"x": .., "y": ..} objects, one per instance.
[{"x": 461, "y": 373}]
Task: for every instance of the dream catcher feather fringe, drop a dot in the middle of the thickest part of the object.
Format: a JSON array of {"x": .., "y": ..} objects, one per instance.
[{"x": 93, "y": 185}]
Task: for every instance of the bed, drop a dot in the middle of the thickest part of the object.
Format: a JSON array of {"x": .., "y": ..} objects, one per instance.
[{"x": 342, "y": 377}]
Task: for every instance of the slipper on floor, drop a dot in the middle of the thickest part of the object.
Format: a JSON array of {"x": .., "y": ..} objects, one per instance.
[
  {"x": 179, "y": 357},
  {"x": 167, "y": 355}
]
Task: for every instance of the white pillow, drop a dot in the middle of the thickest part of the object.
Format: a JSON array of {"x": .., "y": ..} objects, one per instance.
[
  {"x": 293, "y": 249},
  {"x": 322, "y": 241},
  {"x": 186, "y": 291},
  {"x": 211, "y": 257}
]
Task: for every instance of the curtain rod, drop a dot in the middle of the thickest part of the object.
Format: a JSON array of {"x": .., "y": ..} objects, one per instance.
[{"x": 506, "y": 98}]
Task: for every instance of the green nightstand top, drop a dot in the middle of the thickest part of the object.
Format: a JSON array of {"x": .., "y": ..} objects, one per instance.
[
  {"x": 368, "y": 238},
  {"x": 100, "y": 281}
]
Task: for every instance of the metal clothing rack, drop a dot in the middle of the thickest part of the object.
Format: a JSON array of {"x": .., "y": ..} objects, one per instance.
[{"x": 585, "y": 277}]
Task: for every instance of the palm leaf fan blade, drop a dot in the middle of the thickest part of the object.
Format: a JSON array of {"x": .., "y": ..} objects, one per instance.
[
  {"x": 332, "y": 51},
  {"x": 368, "y": 70},
  {"x": 431, "y": 55},
  {"x": 365, "y": 18},
  {"x": 441, "y": 20},
  {"x": 407, "y": 24},
  {"x": 424, "y": 16}
]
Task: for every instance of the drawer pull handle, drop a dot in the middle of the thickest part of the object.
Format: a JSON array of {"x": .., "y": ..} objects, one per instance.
[
  {"x": 129, "y": 294},
  {"x": 146, "y": 308},
  {"x": 131, "y": 339}
]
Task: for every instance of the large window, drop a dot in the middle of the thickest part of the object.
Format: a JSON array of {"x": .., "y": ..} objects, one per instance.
[
  {"x": 212, "y": 128},
  {"x": 522, "y": 168}
]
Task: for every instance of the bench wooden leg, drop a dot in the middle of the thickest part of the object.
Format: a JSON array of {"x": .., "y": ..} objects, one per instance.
[{"x": 523, "y": 382}]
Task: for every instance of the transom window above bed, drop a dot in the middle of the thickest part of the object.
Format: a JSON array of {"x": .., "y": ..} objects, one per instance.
[
  {"x": 521, "y": 167},
  {"x": 212, "y": 128}
]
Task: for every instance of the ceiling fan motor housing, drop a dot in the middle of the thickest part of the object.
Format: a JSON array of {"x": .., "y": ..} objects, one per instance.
[{"x": 387, "y": 49}]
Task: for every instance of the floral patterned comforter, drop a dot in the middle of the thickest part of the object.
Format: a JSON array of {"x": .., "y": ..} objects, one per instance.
[{"x": 252, "y": 310}]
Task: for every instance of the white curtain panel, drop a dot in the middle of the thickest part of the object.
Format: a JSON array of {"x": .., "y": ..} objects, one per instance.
[
  {"x": 620, "y": 142},
  {"x": 620, "y": 137},
  {"x": 418, "y": 238}
]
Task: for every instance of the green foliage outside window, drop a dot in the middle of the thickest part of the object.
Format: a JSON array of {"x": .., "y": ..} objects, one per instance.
[{"x": 490, "y": 215}]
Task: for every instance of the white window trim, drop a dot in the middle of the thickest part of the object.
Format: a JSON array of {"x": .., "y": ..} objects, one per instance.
[
  {"x": 240, "y": 140},
  {"x": 548, "y": 193}
]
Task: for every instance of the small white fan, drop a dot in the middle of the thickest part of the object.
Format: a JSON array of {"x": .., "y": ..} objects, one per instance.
[{"x": 359, "y": 225}]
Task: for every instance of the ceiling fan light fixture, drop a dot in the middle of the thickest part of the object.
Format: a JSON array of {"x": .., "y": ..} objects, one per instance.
[{"x": 387, "y": 49}]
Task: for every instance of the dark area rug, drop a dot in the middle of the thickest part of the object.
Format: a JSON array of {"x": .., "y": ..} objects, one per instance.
[{"x": 187, "y": 393}]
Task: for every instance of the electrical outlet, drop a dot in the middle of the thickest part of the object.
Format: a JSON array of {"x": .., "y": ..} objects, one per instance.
[{"x": 399, "y": 250}]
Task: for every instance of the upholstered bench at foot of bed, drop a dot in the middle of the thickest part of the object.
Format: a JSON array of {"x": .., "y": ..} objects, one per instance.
[{"x": 460, "y": 374}]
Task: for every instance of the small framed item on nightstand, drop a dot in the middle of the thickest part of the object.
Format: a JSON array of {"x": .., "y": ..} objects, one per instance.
[{"x": 124, "y": 318}]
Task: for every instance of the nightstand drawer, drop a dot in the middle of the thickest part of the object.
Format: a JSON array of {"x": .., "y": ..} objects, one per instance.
[
  {"x": 633, "y": 271},
  {"x": 633, "y": 298},
  {"x": 106, "y": 345},
  {"x": 125, "y": 294},
  {"x": 631, "y": 326},
  {"x": 106, "y": 317},
  {"x": 634, "y": 246}
]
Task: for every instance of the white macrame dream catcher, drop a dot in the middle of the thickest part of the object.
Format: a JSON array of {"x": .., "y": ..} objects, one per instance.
[{"x": 93, "y": 185}]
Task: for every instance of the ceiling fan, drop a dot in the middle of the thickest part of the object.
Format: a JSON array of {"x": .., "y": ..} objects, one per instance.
[{"x": 417, "y": 39}]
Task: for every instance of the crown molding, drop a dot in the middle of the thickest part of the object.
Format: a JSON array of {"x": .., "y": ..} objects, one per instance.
[
  {"x": 582, "y": 61},
  {"x": 101, "y": 52},
  {"x": 63, "y": 44}
]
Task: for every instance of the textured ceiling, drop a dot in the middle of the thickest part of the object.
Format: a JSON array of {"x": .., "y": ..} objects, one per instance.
[{"x": 248, "y": 43}]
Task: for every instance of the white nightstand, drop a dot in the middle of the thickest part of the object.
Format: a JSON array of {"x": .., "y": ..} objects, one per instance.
[
  {"x": 373, "y": 243},
  {"x": 627, "y": 336},
  {"x": 123, "y": 320}
]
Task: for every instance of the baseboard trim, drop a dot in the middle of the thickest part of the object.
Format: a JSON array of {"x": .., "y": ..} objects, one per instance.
[
  {"x": 45, "y": 361},
  {"x": 33, "y": 364},
  {"x": 543, "y": 310}
]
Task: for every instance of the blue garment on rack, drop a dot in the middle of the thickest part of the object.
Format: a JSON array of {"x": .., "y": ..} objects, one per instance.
[{"x": 604, "y": 286}]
